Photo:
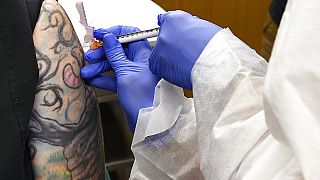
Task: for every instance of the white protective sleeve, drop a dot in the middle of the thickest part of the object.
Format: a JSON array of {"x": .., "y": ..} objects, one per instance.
[
  {"x": 292, "y": 88},
  {"x": 210, "y": 136}
]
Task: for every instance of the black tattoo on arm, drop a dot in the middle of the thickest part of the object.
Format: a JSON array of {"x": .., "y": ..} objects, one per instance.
[{"x": 65, "y": 130}]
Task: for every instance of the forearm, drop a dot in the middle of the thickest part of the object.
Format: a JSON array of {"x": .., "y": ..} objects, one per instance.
[
  {"x": 228, "y": 66},
  {"x": 227, "y": 84},
  {"x": 66, "y": 136},
  {"x": 165, "y": 139}
]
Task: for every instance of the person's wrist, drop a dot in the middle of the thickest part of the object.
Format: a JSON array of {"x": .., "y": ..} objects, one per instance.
[
  {"x": 136, "y": 99},
  {"x": 132, "y": 115}
]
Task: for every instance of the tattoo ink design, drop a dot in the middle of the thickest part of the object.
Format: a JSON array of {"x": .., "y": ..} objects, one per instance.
[
  {"x": 65, "y": 130},
  {"x": 70, "y": 79}
]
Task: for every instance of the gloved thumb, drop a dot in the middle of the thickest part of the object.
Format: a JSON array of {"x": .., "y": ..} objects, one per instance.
[
  {"x": 172, "y": 15},
  {"x": 114, "y": 51},
  {"x": 161, "y": 18}
]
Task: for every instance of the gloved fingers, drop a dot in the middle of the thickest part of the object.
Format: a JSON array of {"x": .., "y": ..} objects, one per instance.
[
  {"x": 104, "y": 82},
  {"x": 171, "y": 14},
  {"x": 120, "y": 30},
  {"x": 92, "y": 70},
  {"x": 99, "y": 33},
  {"x": 96, "y": 55},
  {"x": 129, "y": 48},
  {"x": 154, "y": 59},
  {"x": 161, "y": 18},
  {"x": 138, "y": 51},
  {"x": 114, "y": 51},
  {"x": 116, "y": 30}
]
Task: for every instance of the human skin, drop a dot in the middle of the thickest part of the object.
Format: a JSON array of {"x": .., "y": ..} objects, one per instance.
[{"x": 66, "y": 140}]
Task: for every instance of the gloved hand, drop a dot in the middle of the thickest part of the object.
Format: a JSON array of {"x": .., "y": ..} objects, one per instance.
[
  {"x": 133, "y": 82},
  {"x": 182, "y": 39}
]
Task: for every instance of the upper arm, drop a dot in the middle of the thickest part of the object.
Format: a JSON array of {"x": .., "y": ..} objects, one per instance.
[{"x": 66, "y": 136}]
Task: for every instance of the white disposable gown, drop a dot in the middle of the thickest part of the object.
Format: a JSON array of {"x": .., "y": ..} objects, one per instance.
[{"x": 239, "y": 125}]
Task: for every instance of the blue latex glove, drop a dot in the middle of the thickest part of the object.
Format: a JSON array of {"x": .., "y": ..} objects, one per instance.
[
  {"x": 182, "y": 39},
  {"x": 133, "y": 82}
]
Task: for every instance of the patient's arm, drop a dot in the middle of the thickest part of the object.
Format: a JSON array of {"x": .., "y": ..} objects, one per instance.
[{"x": 66, "y": 136}]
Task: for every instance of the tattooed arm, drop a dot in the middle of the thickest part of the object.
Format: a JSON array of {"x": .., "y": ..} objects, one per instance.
[{"x": 66, "y": 136}]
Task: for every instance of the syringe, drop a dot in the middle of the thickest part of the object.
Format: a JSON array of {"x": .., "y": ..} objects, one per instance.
[{"x": 127, "y": 38}]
